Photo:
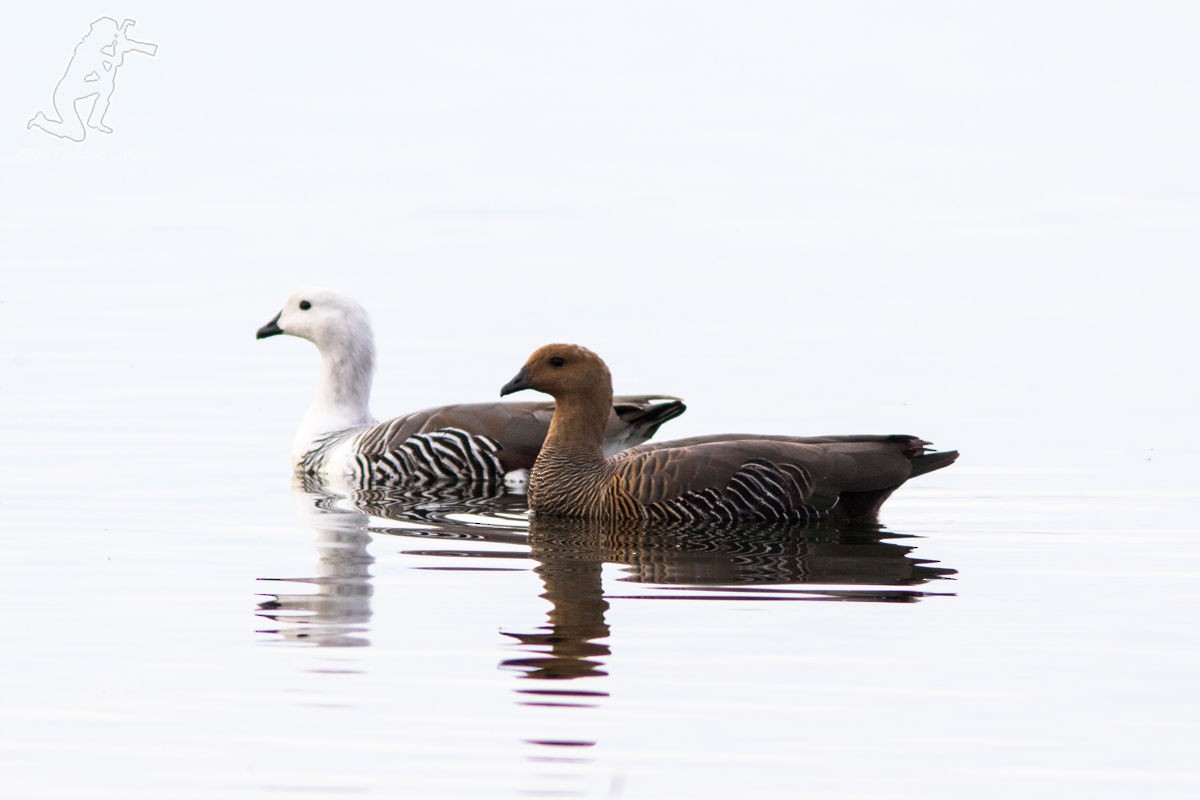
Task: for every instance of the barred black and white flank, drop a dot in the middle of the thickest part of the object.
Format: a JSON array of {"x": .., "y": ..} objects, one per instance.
[
  {"x": 722, "y": 480},
  {"x": 479, "y": 443},
  {"x": 449, "y": 455}
]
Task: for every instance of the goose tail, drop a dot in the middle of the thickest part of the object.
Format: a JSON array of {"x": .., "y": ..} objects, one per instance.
[
  {"x": 646, "y": 418},
  {"x": 928, "y": 462}
]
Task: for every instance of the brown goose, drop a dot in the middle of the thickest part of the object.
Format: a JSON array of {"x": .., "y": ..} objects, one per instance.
[
  {"x": 724, "y": 478},
  {"x": 339, "y": 439}
]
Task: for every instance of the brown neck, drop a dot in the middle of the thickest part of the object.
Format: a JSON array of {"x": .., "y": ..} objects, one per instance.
[{"x": 579, "y": 423}]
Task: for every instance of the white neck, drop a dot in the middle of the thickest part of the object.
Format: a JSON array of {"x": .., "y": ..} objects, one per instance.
[{"x": 343, "y": 392}]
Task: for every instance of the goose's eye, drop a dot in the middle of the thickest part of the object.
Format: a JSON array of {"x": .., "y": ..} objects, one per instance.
[
  {"x": 305, "y": 305},
  {"x": 557, "y": 361}
]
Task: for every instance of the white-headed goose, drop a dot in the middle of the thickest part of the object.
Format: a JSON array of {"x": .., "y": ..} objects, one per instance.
[
  {"x": 476, "y": 442},
  {"x": 724, "y": 478}
]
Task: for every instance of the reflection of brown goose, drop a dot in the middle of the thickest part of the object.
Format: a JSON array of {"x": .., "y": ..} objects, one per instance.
[
  {"x": 725, "y": 478},
  {"x": 851, "y": 564},
  {"x": 567, "y": 645},
  {"x": 472, "y": 442},
  {"x": 840, "y": 560}
]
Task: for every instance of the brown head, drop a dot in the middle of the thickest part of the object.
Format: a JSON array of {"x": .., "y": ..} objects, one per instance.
[{"x": 566, "y": 372}]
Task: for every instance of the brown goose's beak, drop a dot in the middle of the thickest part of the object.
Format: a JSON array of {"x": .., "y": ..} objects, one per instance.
[
  {"x": 270, "y": 329},
  {"x": 518, "y": 383}
]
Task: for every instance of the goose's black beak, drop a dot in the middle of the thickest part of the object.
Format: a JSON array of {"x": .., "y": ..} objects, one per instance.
[
  {"x": 270, "y": 329},
  {"x": 517, "y": 384}
]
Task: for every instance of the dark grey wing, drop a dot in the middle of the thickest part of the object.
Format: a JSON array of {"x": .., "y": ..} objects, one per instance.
[
  {"x": 520, "y": 428},
  {"x": 516, "y": 427},
  {"x": 732, "y": 478},
  {"x": 636, "y": 418},
  {"x": 869, "y": 461}
]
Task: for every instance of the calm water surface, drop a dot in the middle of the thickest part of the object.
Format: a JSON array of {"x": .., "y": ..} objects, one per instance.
[
  {"x": 381, "y": 644},
  {"x": 184, "y": 622}
]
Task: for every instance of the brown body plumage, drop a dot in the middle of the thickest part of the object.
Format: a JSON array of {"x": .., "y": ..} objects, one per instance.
[{"x": 722, "y": 478}]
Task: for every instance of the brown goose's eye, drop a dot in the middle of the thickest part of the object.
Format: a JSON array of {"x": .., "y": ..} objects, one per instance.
[
  {"x": 557, "y": 361},
  {"x": 305, "y": 305}
]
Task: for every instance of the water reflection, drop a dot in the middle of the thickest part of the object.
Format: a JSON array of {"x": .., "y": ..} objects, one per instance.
[
  {"x": 336, "y": 601},
  {"x": 574, "y": 640},
  {"x": 336, "y": 605},
  {"x": 846, "y": 563},
  {"x": 766, "y": 563},
  {"x": 567, "y": 645},
  {"x": 753, "y": 563}
]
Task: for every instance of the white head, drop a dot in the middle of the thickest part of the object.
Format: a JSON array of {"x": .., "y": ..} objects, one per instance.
[
  {"x": 341, "y": 330},
  {"x": 324, "y": 317}
]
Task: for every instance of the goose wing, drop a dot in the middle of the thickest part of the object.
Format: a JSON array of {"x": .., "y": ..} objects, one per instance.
[
  {"x": 520, "y": 428},
  {"x": 860, "y": 462},
  {"x": 764, "y": 476}
]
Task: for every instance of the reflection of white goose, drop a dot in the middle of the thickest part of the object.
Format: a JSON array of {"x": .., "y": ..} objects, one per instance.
[
  {"x": 477, "y": 442},
  {"x": 341, "y": 600}
]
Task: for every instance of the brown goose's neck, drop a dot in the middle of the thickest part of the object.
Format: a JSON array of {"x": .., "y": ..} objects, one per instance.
[
  {"x": 578, "y": 426},
  {"x": 567, "y": 477}
]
